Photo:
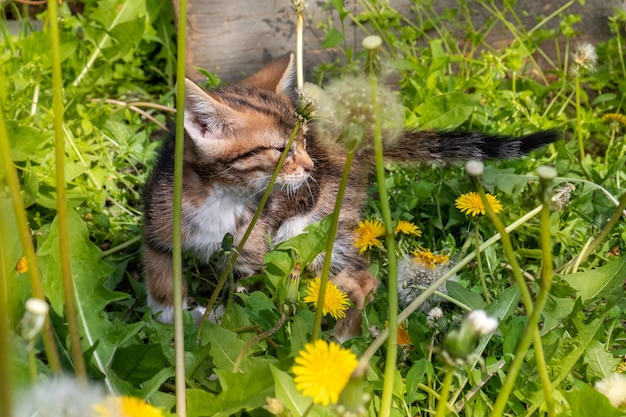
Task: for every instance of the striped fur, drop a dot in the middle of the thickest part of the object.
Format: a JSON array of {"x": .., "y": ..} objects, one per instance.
[{"x": 234, "y": 138}]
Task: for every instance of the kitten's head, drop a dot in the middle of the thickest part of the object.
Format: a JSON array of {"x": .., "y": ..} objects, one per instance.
[{"x": 241, "y": 131}]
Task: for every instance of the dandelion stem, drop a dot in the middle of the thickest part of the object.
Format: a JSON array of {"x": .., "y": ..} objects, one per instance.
[
  {"x": 532, "y": 330},
  {"x": 332, "y": 232},
  {"x": 300, "y": 7},
  {"x": 579, "y": 122},
  {"x": 445, "y": 392},
  {"x": 525, "y": 293},
  {"x": 392, "y": 273},
  {"x": 479, "y": 264},
  {"x": 179, "y": 337},
  {"x": 59, "y": 152},
  {"x": 257, "y": 339}
]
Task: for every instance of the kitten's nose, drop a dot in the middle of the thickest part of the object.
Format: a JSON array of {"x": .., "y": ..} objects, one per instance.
[{"x": 307, "y": 164}]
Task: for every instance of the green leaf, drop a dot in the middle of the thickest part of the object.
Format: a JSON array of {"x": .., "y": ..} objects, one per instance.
[
  {"x": 505, "y": 180},
  {"x": 286, "y": 391},
  {"x": 601, "y": 362},
  {"x": 89, "y": 273},
  {"x": 446, "y": 111},
  {"x": 465, "y": 296},
  {"x": 333, "y": 38},
  {"x": 506, "y": 303},
  {"x": 598, "y": 282},
  {"x": 585, "y": 401},
  {"x": 138, "y": 363},
  {"x": 27, "y": 142}
]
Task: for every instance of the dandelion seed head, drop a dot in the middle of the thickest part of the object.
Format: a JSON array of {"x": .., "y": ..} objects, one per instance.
[
  {"x": 434, "y": 315},
  {"x": 475, "y": 168},
  {"x": 345, "y": 112},
  {"x": 414, "y": 277},
  {"x": 584, "y": 57}
]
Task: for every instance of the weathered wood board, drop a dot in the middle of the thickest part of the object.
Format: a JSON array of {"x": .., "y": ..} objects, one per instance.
[{"x": 234, "y": 37}]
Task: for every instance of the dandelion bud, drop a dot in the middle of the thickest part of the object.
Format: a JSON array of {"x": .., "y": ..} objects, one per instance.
[
  {"x": 372, "y": 42},
  {"x": 292, "y": 286},
  {"x": 34, "y": 318},
  {"x": 459, "y": 345},
  {"x": 275, "y": 407},
  {"x": 475, "y": 168},
  {"x": 546, "y": 172},
  {"x": 482, "y": 323},
  {"x": 614, "y": 388}
]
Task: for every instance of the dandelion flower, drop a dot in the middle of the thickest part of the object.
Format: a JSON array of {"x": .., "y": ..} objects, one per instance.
[
  {"x": 423, "y": 256},
  {"x": 322, "y": 371},
  {"x": 126, "y": 406},
  {"x": 368, "y": 234},
  {"x": 336, "y": 302},
  {"x": 471, "y": 203},
  {"x": 614, "y": 388},
  {"x": 614, "y": 117},
  {"x": 408, "y": 228}
]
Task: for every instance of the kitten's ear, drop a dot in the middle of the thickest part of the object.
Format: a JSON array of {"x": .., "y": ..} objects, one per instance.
[
  {"x": 205, "y": 116},
  {"x": 279, "y": 76}
]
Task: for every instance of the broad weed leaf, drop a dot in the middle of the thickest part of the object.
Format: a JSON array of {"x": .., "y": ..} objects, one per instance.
[
  {"x": 89, "y": 273},
  {"x": 446, "y": 111},
  {"x": 598, "y": 282}
]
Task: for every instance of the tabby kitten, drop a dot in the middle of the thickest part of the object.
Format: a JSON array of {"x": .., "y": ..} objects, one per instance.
[{"x": 234, "y": 137}]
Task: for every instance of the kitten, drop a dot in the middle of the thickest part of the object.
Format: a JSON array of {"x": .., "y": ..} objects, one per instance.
[{"x": 234, "y": 137}]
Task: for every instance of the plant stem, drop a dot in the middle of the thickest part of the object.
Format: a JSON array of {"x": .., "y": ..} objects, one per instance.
[
  {"x": 59, "y": 151},
  {"x": 542, "y": 368},
  {"x": 445, "y": 392},
  {"x": 300, "y": 7},
  {"x": 330, "y": 241},
  {"x": 479, "y": 264},
  {"x": 579, "y": 122},
  {"x": 179, "y": 337},
  {"x": 392, "y": 264},
  {"x": 6, "y": 376},
  {"x": 535, "y": 316}
]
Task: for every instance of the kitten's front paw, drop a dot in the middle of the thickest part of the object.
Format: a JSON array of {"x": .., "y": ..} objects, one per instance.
[{"x": 215, "y": 316}]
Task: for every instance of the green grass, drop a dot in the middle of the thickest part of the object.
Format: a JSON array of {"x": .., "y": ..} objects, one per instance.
[{"x": 444, "y": 82}]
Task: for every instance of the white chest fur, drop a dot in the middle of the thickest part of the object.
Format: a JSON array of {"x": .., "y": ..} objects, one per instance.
[{"x": 208, "y": 223}]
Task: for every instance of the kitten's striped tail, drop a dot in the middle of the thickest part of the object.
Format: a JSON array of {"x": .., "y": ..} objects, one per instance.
[{"x": 442, "y": 147}]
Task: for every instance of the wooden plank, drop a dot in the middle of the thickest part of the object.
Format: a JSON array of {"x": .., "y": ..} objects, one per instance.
[{"x": 236, "y": 37}]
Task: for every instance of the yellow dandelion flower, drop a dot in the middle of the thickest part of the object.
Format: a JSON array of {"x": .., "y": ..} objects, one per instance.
[
  {"x": 470, "y": 203},
  {"x": 614, "y": 117},
  {"x": 425, "y": 257},
  {"x": 322, "y": 371},
  {"x": 368, "y": 233},
  {"x": 126, "y": 406},
  {"x": 22, "y": 265},
  {"x": 336, "y": 302},
  {"x": 408, "y": 228}
]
